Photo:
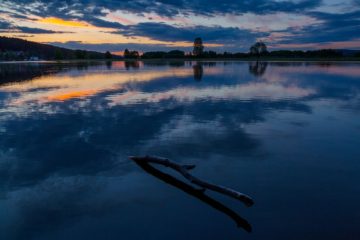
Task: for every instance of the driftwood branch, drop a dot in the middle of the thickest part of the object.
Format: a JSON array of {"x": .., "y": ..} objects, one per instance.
[
  {"x": 189, "y": 189},
  {"x": 184, "y": 170}
]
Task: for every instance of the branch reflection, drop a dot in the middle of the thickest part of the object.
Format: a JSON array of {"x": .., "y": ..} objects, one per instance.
[{"x": 197, "y": 193}]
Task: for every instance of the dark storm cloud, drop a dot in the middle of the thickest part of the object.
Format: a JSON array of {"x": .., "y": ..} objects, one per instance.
[
  {"x": 102, "y": 23},
  {"x": 90, "y": 11},
  {"x": 9, "y": 27},
  {"x": 36, "y": 30},
  {"x": 29, "y": 30},
  {"x": 4, "y": 25},
  {"x": 168, "y": 7},
  {"x": 165, "y": 32},
  {"x": 235, "y": 7},
  {"x": 334, "y": 27}
]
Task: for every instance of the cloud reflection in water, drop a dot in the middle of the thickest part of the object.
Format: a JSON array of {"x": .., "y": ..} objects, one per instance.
[{"x": 66, "y": 131}]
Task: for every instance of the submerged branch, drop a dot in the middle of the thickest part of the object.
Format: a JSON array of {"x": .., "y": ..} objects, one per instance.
[
  {"x": 241, "y": 222},
  {"x": 184, "y": 170}
]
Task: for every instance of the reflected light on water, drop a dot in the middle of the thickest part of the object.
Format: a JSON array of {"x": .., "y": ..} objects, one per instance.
[
  {"x": 124, "y": 86},
  {"x": 273, "y": 130},
  {"x": 64, "y": 86},
  {"x": 242, "y": 92}
]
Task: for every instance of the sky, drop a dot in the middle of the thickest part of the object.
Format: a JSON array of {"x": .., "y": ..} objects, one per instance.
[{"x": 158, "y": 25}]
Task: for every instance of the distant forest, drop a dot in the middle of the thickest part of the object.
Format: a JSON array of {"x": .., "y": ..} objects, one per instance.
[
  {"x": 14, "y": 49},
  {"x": 257, "y": 50},
  {"x": 323, "y": 53}
]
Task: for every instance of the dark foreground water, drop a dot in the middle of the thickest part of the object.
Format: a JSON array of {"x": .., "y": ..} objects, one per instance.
[{"x": 285, "y": 133}]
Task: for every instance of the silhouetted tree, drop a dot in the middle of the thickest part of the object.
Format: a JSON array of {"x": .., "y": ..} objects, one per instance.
[
  {"x": 198, "y": 47},
  {"x": 126, "y": 53},
  {"x": 108, "y": 55},
  {"x": 131, "y": 54},
  {"x": 134, "y": 54},
  {"x": 258, "y": 49}
]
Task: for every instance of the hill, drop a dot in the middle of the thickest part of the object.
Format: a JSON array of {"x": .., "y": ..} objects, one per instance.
[{"x": 19, "y": 49}]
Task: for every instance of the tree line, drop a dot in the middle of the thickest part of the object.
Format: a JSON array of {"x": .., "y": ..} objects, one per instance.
[
  {"x": 257, "y": 50},
  {"x": 18, "y": 49}
]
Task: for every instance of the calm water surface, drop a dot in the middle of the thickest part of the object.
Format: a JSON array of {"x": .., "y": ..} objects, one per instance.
[{"x": 285, "y": 133}]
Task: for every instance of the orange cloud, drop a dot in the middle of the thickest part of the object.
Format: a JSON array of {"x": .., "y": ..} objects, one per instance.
[
  {"x": 62, "y": 22},
  {"x": 71, "y": 95}
]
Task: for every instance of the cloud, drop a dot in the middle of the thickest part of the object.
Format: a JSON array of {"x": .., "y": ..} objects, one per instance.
[
  {"x": 165, "y": 32},
  {"x": 333, "y": 27},
  {"x": 165, "y": 7},
  {"x": 102, "y": 23},
  {"x": 6, "y": 26},
  {"x": 183, "y": 20},
  {"x": 36, "y": 30}
]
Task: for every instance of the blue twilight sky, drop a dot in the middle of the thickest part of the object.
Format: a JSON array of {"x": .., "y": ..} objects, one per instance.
[{"x": 224, "y": 25}]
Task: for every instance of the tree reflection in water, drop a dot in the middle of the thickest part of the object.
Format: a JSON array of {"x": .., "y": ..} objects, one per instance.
[
  {"x": 198, "y": 71},
  {"x": 132, "y": 64},
  {"x": 257, "y": 68}
]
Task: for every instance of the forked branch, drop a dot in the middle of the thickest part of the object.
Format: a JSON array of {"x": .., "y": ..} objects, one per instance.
[
  {"x": 184, "y": 170},
  {"x": 191, "y": 190}
]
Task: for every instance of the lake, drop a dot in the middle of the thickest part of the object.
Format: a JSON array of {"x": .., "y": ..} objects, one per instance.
[{"x": 285, "y": 133}]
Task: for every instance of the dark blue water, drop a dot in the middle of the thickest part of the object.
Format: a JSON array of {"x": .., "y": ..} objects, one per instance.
[{"x": 285, "y": 133}]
